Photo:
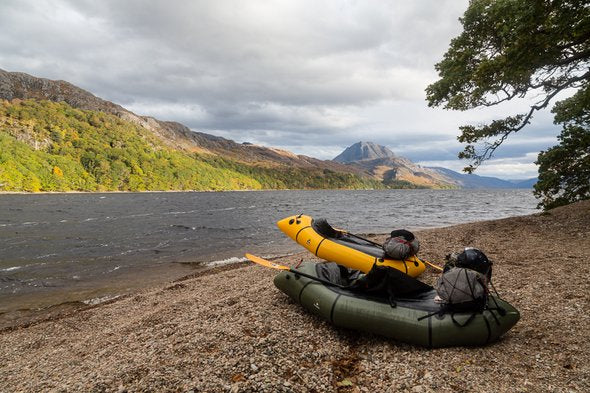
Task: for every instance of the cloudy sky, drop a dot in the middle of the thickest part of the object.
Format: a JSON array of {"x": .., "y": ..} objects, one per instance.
[{"x": 312, "y": 77}]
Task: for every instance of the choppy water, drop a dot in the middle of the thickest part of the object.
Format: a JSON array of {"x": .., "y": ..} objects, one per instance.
[{"x": 69, "y": 246}]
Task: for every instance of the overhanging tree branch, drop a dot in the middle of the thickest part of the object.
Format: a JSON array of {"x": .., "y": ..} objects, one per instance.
[
  {"x": 503, "y": 128},
  {"x": 509, "y": 49}
]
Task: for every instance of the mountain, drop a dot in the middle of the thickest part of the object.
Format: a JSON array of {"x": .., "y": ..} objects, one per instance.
[
  {"x": 393, "y": 170},
  {"x": 363, "y": 151},
  {"x": 386, "y": 166},
  {"x": 527, "y": 183},
  {"x": 17, "y": 85},
  {"x": 55, "y": 136},
  {"x": 465, "y": 180}
]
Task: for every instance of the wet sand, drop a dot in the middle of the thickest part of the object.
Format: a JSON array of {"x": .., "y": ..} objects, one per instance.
[
  {"x": 230, "y": 329},
  {"x": 27, "y": 308}
]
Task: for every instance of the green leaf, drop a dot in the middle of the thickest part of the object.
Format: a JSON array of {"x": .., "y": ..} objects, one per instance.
[{"x": 345, "y": 382}]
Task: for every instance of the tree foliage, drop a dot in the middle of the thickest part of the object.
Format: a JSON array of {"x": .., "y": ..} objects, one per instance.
[
  {"x": 512, "y": 49},
  {"x": 48, "y": 146},
  {"x": 564, "y": 170}
]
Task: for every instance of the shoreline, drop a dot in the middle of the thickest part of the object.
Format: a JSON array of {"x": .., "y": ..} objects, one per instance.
[
  {"x": 243, "y": 190},
  {"x": 25, "y": 316},
  {"x": 119, "y": 192},
  {"x": 232, "y": 330},
  {"x": 22, "y": 317},
  {"x": 66, "y": 309}
]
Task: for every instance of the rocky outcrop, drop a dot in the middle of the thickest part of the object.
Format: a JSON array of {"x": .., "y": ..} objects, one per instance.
[
  {"x": 362, "y": 151},
  {"x": 23, "y": 86}
]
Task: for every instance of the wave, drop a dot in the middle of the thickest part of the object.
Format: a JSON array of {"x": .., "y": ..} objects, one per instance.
[
  {"x": 99, "y": 300},
  {"x": 223, "y": 209},
  {"x": 10, "y": 269},
  {"x": 187, "y": 227},
  {"x": 227, "y": 261},
  {"x": 45, "y": 256},
  {"x": 233, "y": 260}
]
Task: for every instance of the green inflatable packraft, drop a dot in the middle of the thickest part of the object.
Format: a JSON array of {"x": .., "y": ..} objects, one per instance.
[{"x": 415, "y": 320}]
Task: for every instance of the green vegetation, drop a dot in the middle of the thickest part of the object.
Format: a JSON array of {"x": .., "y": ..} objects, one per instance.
[
  {"x": 48, "y": 146},
  {"x": 564, "y": 170},
  {"x": 511, "y": 49},
  {"x": 402, "y": 184}
]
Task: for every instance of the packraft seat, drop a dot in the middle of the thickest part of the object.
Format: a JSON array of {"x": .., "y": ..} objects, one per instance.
[{"x": 322, "y": 227}]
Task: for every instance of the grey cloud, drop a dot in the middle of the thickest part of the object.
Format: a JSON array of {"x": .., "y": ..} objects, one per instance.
[
  {"x": 306, "y": 75},
  {"x": 299, "y": 53}
]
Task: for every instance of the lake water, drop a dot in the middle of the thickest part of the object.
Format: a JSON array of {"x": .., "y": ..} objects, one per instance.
[{"x": 72, "y": 247}]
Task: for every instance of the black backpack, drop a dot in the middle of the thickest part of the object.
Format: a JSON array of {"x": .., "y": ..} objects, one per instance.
[{"x": 470, "y": 258}]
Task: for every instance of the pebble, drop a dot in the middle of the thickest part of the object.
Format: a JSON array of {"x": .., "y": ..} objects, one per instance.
[{"x": 232, "y": 333}]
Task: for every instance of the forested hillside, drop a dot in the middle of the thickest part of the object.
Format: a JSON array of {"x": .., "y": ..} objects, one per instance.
[{"x": 50, "y": 146}]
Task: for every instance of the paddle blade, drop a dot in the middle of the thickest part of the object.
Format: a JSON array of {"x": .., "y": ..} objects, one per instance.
[{"x": 266, "y": 263}]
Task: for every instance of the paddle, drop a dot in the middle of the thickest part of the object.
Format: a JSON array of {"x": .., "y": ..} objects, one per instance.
[
  {"x": 440, "y": 269},
  {"x": 273, "y": 265},
  {"x": 362, "y": 238}
]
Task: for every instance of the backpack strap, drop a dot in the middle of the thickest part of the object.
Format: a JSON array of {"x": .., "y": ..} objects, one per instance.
[
  {"x": 471, "y": 317},
  {"x": 443, "y": 310}
]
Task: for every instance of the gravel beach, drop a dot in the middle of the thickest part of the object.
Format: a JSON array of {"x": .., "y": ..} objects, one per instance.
[{"x": 230, "y": 330}]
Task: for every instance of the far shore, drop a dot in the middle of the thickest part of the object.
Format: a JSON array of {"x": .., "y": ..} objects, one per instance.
[
  {"x": 229, "y": 328},
  {"x": 236, "y": 190},
  {"x": 113, "y": 192}
]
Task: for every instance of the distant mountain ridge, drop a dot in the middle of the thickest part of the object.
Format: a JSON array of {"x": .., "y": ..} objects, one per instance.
[
  {"x": 385, "y": 165},
  {"x": 466, "y": 180},
  {"x": 527, "y": 183}
]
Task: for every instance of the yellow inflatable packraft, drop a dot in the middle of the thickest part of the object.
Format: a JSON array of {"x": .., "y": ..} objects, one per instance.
[{"x": 344, "y": 248}]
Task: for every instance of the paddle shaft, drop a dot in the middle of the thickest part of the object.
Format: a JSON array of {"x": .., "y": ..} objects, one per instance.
[
  {"x": 273, "y": 265},
  {"x": 362, "y": 238},
  {"x": 432, "y": 265}
]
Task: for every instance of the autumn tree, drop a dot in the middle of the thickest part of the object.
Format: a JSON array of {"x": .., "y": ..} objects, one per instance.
[{"x": 512, "y": 49}]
